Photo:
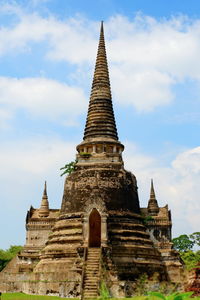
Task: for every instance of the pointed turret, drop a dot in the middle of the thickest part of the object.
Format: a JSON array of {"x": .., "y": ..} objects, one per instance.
[
  {"x": 44, "y": 208},
  {"x": 153, "y": 207},
  {"x": 100, "y": 135},
  {"x": 100, "y": 119}
]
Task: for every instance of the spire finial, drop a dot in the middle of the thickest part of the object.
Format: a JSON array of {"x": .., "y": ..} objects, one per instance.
[
  {"x": 45, "y": 189},
  {"x": 152, "y": 192},
  {"x": 153, "y": 207},
  {"x": 101, "y": 27},
  {"x": 100, "y": 119},
  {"x": 44, "y": 208}
]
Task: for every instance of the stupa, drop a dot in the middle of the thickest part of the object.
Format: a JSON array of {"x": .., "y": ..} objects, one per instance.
[{"x": 100, "y": 234}]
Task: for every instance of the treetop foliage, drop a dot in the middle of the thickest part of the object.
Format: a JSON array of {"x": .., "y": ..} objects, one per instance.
[
  {"x": 184, "y": 244},
  {"x": 7, "y": 255}
]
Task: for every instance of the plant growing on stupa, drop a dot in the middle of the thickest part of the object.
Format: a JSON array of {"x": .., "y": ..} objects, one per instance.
[{"x": 68, "y": 168}]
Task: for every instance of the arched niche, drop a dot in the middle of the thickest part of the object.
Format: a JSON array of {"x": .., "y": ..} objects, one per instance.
[{"x": 94, "y": 229}]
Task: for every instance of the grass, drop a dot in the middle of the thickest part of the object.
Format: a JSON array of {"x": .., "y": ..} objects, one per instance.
[{"x": 21, "y": 296}]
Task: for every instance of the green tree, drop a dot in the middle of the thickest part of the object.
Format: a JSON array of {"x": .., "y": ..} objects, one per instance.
[
  {"x": 190, "y": 258},
  {"x": 183, "y": 243},
  {"x": 195, "y": 237},
  {"x": 7, "y": 255}
]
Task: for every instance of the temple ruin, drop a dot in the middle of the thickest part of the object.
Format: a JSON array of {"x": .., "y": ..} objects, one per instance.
[{"x": 100, "y": 233}]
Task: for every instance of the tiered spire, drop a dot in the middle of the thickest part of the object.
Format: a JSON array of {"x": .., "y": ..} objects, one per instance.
[
  {"x": 44, "y": 208},
  {"x": 153, "y": 207},
  {"x": 100, "y": 119}
]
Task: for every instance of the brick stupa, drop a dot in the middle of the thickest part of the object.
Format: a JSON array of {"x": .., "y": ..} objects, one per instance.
[{"x": 100, "y": 232}]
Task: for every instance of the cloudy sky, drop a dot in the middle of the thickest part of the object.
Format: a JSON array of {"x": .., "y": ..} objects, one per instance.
[{"x": 47, "y": 55}]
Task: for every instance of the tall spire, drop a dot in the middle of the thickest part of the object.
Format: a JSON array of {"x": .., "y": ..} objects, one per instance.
[
  {"x": 153, "y": 207},
  {"x": 100, "y": 119},
  {"x": 44, "y": 208}
]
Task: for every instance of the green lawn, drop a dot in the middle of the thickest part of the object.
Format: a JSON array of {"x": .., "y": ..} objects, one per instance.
[{"x": 20, "y": 296}]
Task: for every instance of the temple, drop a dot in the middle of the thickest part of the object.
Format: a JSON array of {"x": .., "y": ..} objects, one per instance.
[{"x": 100, "y": 233}]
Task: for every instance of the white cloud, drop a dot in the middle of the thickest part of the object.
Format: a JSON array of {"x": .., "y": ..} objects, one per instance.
[
  {"x": 176, "y": 184},
  {"x": 35, "y": 156},
  {"x": 145, "y": 89},
  {"x": 42, "y": 97},
  {"x": 148, "y": 55},
  {"x": 5, "y": 117},
  {"x": 25, "y": 165},
  {"x": 71, "y": 40}
]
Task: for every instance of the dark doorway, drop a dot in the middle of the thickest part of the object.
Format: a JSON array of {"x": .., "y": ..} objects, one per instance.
[{"x": 94, "y": 229}]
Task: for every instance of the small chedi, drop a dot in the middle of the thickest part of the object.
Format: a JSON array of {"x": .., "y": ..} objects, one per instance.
[{"x": 100, "y": 233}]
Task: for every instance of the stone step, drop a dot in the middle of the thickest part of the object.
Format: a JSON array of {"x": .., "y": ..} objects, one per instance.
[
  {"x": 92, "y": 270},
  {"x": 89, "y": 279},
  {"x": 91, "y": 291},
  {"x": 95, "y": 284},
  {"x": 91, "y": 276},
  {"x": 88, "y": 286},
  {"x": 90, "y": 294},
  {"x": 90, "y": 260},
  {"x": 95, "y": 295},
  {"x": 92, "y": 286}
]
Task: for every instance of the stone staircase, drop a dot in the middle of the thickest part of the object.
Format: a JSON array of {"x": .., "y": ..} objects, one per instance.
[{"x": 91, "y": 275}]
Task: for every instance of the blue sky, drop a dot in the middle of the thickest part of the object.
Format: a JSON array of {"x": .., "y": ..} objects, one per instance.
[{"x": 47, "y": 56}]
